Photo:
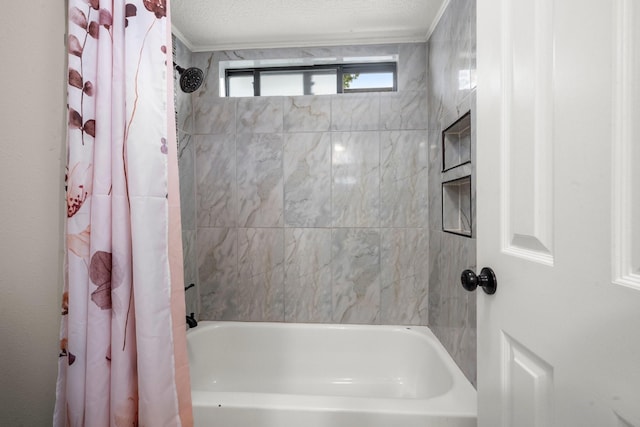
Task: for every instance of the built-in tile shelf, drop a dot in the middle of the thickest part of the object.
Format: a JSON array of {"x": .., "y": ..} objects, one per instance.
[
  {"x": 456, "y": 143},
  {"x": 456, "y": 206}
]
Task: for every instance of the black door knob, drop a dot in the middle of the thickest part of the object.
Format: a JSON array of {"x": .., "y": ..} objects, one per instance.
[{"x": 486, "y": 279}]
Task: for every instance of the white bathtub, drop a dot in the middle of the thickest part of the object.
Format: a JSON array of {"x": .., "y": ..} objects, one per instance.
[{"x": 309, "y": 375}]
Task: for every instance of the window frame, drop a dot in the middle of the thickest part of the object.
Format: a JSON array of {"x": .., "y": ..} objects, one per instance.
[{"x": 340, "y": 69}]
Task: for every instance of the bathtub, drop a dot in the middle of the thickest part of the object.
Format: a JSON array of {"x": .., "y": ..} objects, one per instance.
[{"x": 246, "y": 374}]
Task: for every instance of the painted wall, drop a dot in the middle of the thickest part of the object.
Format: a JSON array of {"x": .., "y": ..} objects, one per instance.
[
  {"x": 31, "y": 188},
  {"x": 311, "y": 208},
  {"x": 451, "y": 93}
]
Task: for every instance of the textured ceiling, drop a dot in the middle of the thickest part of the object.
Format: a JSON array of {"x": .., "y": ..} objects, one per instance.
[{"x": 242, "y": 24}]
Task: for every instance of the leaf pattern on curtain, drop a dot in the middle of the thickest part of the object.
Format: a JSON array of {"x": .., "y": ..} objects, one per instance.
[
  {"x": 158, "y": 7},
  {"x": 75, "y": 79},
  {"x": 100, "y": 274},
  {"x": 117, "y": 228},
  {"x": 78, "y": 244},
  {"x": 78, "y": 17}
]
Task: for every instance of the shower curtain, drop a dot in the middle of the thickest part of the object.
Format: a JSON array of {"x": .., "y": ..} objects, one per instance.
[{"x": 122, "y": 356}]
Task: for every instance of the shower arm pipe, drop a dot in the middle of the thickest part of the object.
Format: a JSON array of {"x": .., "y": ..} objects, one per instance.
[{"x": 179, "y": 68}]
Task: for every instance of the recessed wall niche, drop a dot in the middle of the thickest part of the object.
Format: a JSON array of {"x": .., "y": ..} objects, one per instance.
[
  {"x": 456, "y": 206},
  {"x": 456, "y": 143}
]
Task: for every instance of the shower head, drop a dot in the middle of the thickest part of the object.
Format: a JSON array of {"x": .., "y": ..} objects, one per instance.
[{"x": 190, "y": 79}]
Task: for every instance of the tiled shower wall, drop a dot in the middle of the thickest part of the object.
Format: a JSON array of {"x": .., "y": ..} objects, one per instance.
[
  {"x": 451, "y": 88},
  {"x": 310, "y": 208},
  {"x": 186, "y": 158}
]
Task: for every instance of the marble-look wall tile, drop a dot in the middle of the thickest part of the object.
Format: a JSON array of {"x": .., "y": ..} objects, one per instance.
[
  {"x": 190, "y": 272},
  {"x": 436, "y": 264},
  {"x": 351, "y": 112},
  {"x": 462, "y": 38},
  {"x": 452, "y": 310},
  {"x": 307, "y": 113},
  {"x": 274, "y": 174},
  {"x": 450, "y": 74},
  {"x": 217, "y": 273},
  {"x": 260, "y": 180},
  {"x": 186, "y": 171},
  {"x": 307, "y": 175},
  {"x": 464, "y": 209},
  {"x": 215, "y": 115},
  {"x": 435, "y": 106},
  {"x": 216, "y": 180},
  {"x": 206, "y": 62},
  {"x": 404, "y": 272},
  {"x": 260, "y": 287},
  {"x": 211, "y": 114},
  {"x": 435, "y": 179},
  {"x": 356, "y": 275},
  {"x": 440, "y": 105},
  {"x": 461, "y": 344},
  {"x": 451, "y": 208},
  {"x": 450, "y": 87},
  {"x": 441, "y": 48},
  {"x": 474, "y": 148},
  {"x": 403, "y": 110},
  {"x": 308, "y": 275},
  {"x": 260, "y": 114},
  {"x": 472, "y": 44},
  {"x": 183, "y": 54},
  {"x": 412, "y": 63},
  {"x": 404, "y": 179},
  {"x": 467, "y": 354},
  {"x": 450, "y": 255},
  {"x": 184, "y": 109},
  {"x": 309, "y": 52},
  {"x": 449, "y": 304},
  {"x": 355, "y": 179}
]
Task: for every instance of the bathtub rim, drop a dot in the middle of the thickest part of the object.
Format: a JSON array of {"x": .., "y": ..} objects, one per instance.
[{"x": 459, "y": 401}]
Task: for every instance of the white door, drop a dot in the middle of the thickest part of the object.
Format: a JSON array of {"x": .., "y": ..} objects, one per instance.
[{"x": 558, "y": 196}]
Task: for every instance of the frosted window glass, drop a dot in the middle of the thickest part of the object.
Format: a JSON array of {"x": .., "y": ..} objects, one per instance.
[
  {"x": 241, "y": 86},
  {"x": 279, "y": 84},
  {"x": 323, "y": 84}
]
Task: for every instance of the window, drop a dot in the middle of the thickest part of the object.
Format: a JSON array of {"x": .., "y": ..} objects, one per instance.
[
  {"x": 241, "y": 84},
  {"x": 311, "y": 80}
]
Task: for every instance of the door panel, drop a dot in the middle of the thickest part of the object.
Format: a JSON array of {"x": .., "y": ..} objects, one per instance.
[
  {"x": 528, "y": 386},
  {"x": 527, "y": 117},
  {"x": 626, "y": 184},
  {"x": 558, "y": 196}
]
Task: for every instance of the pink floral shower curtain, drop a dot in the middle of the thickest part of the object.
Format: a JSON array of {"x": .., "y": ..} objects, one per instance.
[{"x": 123, "y": 358}]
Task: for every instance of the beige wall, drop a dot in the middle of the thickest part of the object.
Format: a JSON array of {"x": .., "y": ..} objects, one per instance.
[{"x": 31, "y": 148}]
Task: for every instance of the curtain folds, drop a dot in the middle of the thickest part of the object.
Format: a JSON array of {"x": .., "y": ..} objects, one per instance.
[{"x": 123, "y": 358}]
